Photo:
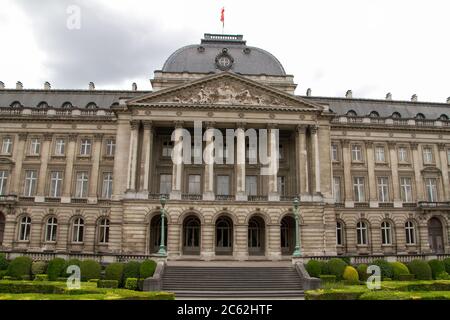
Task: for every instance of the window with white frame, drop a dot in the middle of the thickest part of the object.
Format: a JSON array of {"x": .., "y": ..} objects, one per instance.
[
  {"x": 379, "y": 154},
  {"x": 334, "y": 152},
  {"x": 167, "y": 147},
  {"x": 85, "y": 147},
  {"x": 427, "y": 155},
  {"x": 60, "y": 147},
  {"x": 339, "y": 233},
  {"x": 402, "y": 154},
  {"x": 406, "y": 189},
  {"x": 165, "y": 184},
  {"x": 410, "y": 232},
  {"x": 110, "y": 147},
  {"x": 281, "y": 185},
  {"x": 223, "y": 185},
  {"x": 358, "y": 189},
  {"x": 194, "y": 184},
  {"x": 337, "y": 189},
  {"x": 361, "y": 233},
  {"x": 35, "y": 147},
  {"x": 107, "y": 185},
  {"x": 30, "y": 183},
  {"x": 24, "y": 229},
  {"x": 3, "y": 181},
  {"x": 50, "y": 229},
  {"x": 56, "y": 179},
  {"x": 356, "y": 152},
  {"x": 386, "y": 233},
  {"x": 383, "y": 189},
  {"x": 251, "y": 185},
  {"x": 431, "y": 189},
  {"x": 78, "y": 230},
  {"x": 81, "y": 190},
  {"x": 103, "y": 231},
  {"x": 7, "y": 144}
]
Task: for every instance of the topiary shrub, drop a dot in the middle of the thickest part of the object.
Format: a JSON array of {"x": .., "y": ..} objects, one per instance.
[
  {"x": 70, "y": 262},
  {"x": 443, "y": 276},
  {"x": 19, "y": 267},
  {"x": 314, "y": 268},
  {"x": 2, "y": 274},
  {"x": 41, "y": 277},
  {"x": 90, "y": 269},
  {"x": 437, "y": 267},
  {"x": 114, "y": 271},
  {"x": 446, "y": 262},
  {"x": 420, "y": 269},
  {"x": 386, "y": 268},
  {"x": 131, "y": 283},
  {"x": 398, "y": 268},
  {"x": 362, "y": 271},
  {"x": 55, "y": 268},
  {"x": 3, "y": 262},
  {"x": 350, "y": 275},
  {"x": 38, "y": 267},
  {"x": 327, "y": 278},
  {"x": 111, "y": 284},
  {"x": 336, "y": 266},
  {"x": 131, "y": 270},
  {"x": 147, "y": 269}
]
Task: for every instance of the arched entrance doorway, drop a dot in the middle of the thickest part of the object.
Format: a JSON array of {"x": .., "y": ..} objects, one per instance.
[
  {"x": 224, "y": 236},
  {"x": 435, "y": 235},
  {"x": 287, "y": 231},
  {"x": 2, "y": 227},
  {"x": 256, "y": 236},
  {"x": 155, "y": 233},
  {"x": 191, "y": 235}
]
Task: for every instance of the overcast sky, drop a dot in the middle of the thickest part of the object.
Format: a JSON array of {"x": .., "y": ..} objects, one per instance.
[{"x": 371, "y": 47}]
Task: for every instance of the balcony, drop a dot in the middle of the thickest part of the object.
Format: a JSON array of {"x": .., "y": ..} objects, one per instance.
[
  {"x": 79, "y": 200},
  {"x": 287, "y": 198},
  {"x": 257, "y": 198},
  {"x": 157, "y": 196},
  {"x": 51, "y": 199},
  {"x": 222, "y": 197},
  {"x": 434, "y": 205},
  {"x": 8, "y": 198},
  {"x": 192, "y": 197}
]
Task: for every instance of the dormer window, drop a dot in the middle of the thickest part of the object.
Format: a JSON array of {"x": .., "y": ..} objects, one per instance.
[
  {"x": 351, "y": 113},
  {"x": 16, "y": 105},
  {"x": 42, "y": 105},
  {"x": 396, "y": 115},
  {"x": 374, "y": 114},
  {"x": 443, "y": 117},
  {"x": 67, "y": 105},
  {"x": 91, "y": 106},
  {"x": 420, "y": 116}
]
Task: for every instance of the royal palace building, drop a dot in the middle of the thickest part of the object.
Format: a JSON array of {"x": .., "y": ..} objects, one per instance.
[{"x": 82, "y": 171}]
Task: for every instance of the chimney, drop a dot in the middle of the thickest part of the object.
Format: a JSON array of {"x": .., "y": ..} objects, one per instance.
[
  {"x": 19, "y": 85},
  {"x": 134, "y": 86},
  {"x": 91, "y": 86},
  {"x": 2, "y": 85},
  {"x": 47, "y": 85},
  {"x": 388, "y": 96},
  {"x": 349, "y": 94},
  {"x": 414, "y": 98},
  {"x": 308, "y": 92}
]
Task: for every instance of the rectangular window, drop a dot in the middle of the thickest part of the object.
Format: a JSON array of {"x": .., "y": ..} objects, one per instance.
[
  {"x": 107, "y": 185},
  {"x": 85, "y": 147},
  {"x": 379, "y": 154},
  {"x": 337, "y": 189},
  {"x": 110, "y": 147},
  {"x": 30, "y": 183},
  {"x": 281, "y": 151},
  {"x": 167, "y": 147},
  {"x": 251, "y": 186},
  {"x": 56, "y": 178},
  {"x": 402, "y": 154},
  {"x": 356, "y": 153},
  {"x": 165, "y": 184},
  {"x": 194, "y": 184},
  {"x": 3, "y": 182},
  {"x": 406, "y": 189},
  {"x": 431, "y": 189},
  {"x": 35, "y": 147},
  {"x": 334, "y": 152},
  {"x": 223, "y": 185},
  {"x": 358, "y": 189},
  {"x": 60, "y": 147},
  {"x": 81, "y": 189},
  {"x": 427, "y": 155},
  {"x": 383, "y": 189},
  {"x": 281, "y": 185},
  {"x": 7, "y": 145}
]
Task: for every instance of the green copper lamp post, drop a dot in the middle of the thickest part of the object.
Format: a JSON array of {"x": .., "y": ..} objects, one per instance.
[
  {"x": 297, "y": 251},
  {"x": 162, "y": 248}
]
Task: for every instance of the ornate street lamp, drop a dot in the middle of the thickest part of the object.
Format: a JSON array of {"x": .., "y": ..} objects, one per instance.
[
  {"x": 162, "y": 248},
  {"x": 297, "y": 251}
]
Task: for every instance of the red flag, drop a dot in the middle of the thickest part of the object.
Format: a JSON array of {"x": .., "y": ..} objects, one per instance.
[{"x": 222, "y": 16}]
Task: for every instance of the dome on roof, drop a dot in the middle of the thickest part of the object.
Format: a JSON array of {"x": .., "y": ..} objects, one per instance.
[{"x": 218, "y": 53}]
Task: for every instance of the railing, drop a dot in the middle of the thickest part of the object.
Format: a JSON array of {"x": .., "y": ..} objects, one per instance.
[
  {"x": 195, "y": 197},
  {"x": 400, "y": 122},
  {"x": 409, "y": 205},
  {"x": 79, "y": 200},
  {"x": 354, "y": 120},
  {"x": 367, "y": 259},
  {"x": 51, "y": 199},
  {"x": 428, "y": 204},
  {"x": 39, "y": 111},
  {"x": 8, "y": 198},
  {"x": 26, "y": 199},
  {"x": 361, "y": 205},
  {"x": 257, "y": 198},
  {"x": 385, "y": 204},
  {"x": 157, "y": 196},
  {"x": 377, "y": 120},
  {"x": 287, "y": 198},
  {"x": 427, "y": 123},
  {"x": 10, "y": 111},
  {"x": 222, "y": 197},
  {"x": 63, "y": 112}
]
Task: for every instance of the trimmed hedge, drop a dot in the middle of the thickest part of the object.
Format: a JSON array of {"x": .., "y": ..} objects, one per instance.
[
  {"x": 3, "y": 273},
  {"x": 90, "y": 269},
  {"x": 38, "y": 267},
  {"x": 19, "y": 267},
  {"x": 362, "y": 271},
  {"x": 406, "y": 277},
  {"x": 398, "y": 269},
  {"x": 327, "y": 278},
  {"x": 443, "y": 276},
  {"x": 446, "y": 262},
  {"x": 314, "y": 268},
  {"x": 41, "y": 277},
  {"x": 386, "y": 268},
  {"x": 30, "y": 287},
  {"x": 55, "y": 268},
  {"x": 350, "y": 275},
  {"x": 131, "y": 270},
  {"x": 131, "y": 283},
  {"x": 437, "y": 267},
  {"x": 420, "y": 269},
  {"x": 147, "y": 269},
  {"x": 111, "y": 284},
  {"x": 336, "y": 266},
  {"x": 3, "y": 262},
  {"x": 114, "y": 271}
]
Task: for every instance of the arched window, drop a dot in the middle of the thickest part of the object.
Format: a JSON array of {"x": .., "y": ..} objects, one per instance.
[
  {"x": 361, "y": 233},
  {"x": 396, "y": 115},
  {"x": 420, "y": 116},
  {"x": 103, "y": 231},
  {"x": 224, "y": 233},
  {"x": 78, "y": 230},
  {"x": 192, "y": 227},
  {"x": 386, "y": 233},
  {"x": 339, "y": 233},
  {"x": 410, "y": 232},
  {"x": 91, "y": 105},
  {"x": 374, "y": 114},
  {"x": 67, "y": 105},
  {"x": 352, "y": 113},
  {"x": 50, "y": 229},
  {"x": 25, "y": 228},
  {"x": 16, "y": 105},
  {"x": 42, "y": 105},
  {"x": 443, "y": 117}
]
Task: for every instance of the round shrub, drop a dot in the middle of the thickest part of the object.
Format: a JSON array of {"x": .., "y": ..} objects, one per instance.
[
  {"x": 131, "y": 284},
  {"x": 446, "y": 262},
  {"x": 114, "y": 271},
  {"x": 437, "y": 267},
  {"x": 420, "y": 269},
  {"x": 55, "y": 268},
  {"x": 398, "y": 269},
  {"x": 90, "y": 269},
  {"x": 350, "y": 275},
  {"x": 147, "y": 269},
  {"x": 336, "y": 266},
  {"x": 19, "y": 267},
  {"x": 3, "y": 262},
  {"x": 70, "y": 262},
  {"x": 314, "y": 268},
  {"x": 362, "y": 271},
  {"x": 131, "y": 270},
  {"x": 38, "y": 267},
  {"x": 443, "y": 276},
  {"x": 386, "y": 268}
]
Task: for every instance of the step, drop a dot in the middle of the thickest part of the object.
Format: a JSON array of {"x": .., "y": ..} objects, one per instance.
[{"x": 234, "y": 294}]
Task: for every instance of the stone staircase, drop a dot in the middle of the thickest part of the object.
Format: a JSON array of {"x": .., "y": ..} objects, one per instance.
[{"x": 232, "y": 281}]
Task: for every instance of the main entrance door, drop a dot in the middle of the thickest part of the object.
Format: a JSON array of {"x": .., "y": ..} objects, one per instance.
[
  {"x": 191, "y": 235},
  {"x": 224, "y": 236},
  {"x": 2, "y": 227},
  {"x": 256, "y": 236},
  {"x": 435, "y": 235},
  {"x": 287, "y": 235}
]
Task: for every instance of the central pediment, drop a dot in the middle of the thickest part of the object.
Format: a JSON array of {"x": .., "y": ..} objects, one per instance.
[{"x": 224, "y": 89}]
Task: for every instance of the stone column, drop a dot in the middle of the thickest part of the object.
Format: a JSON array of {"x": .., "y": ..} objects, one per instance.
[
  {"x": 240, "y": 164},
  {"x": 17, "y": 171},
  {"x": 316, "y": 158},
  {"x": 121, "y": 158},
  {"x": 417, "y": 163},
  {"x": 208, "y": 176},
  {"x": 302, "y": 162},
  {"x": 373, "y": 198},
  {"x": 93, "y": 182},
  {"x": 273, "y": 151},
  {"x": 444, "y": 169},
  {"x": 45, "y": 154},
  {"x": 132, "y": 160},
  {"x": 177, "y": 168},
  {"x": 394, "y": 174},
  {"x": 346, "y": 159},
  {"x": 146, "y": 160},
  {"x": 70, "y": 157}
]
